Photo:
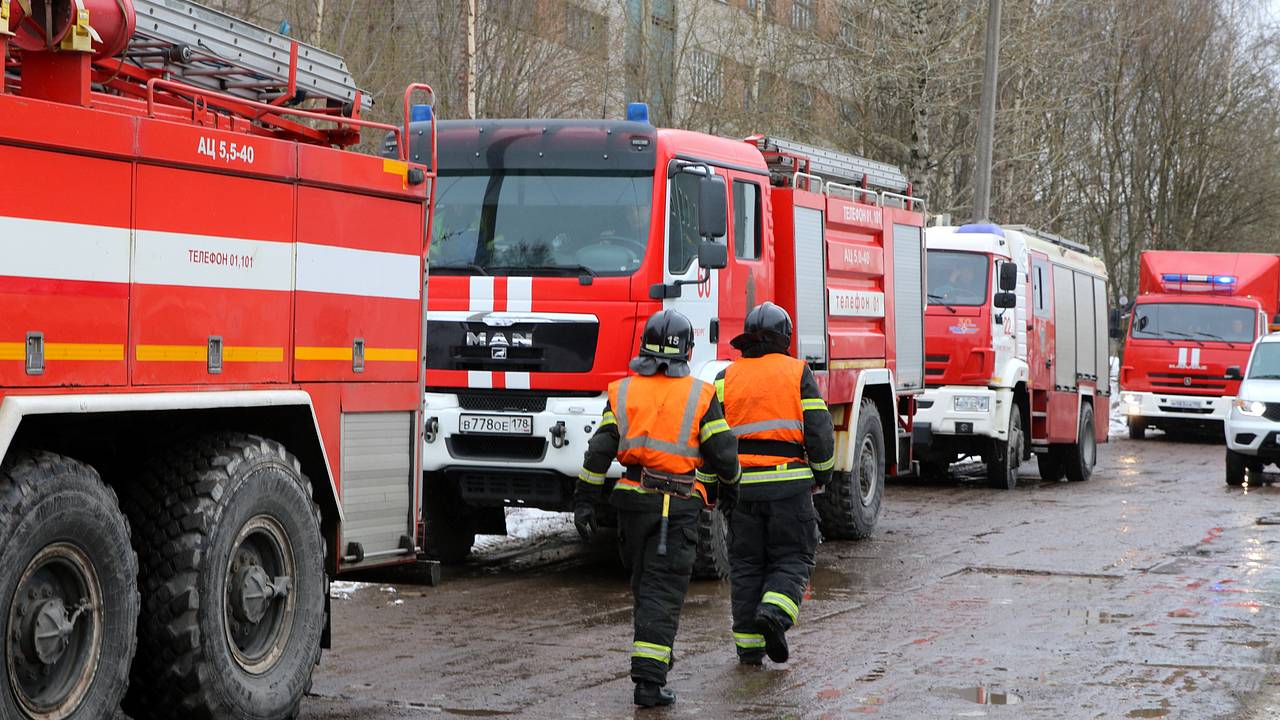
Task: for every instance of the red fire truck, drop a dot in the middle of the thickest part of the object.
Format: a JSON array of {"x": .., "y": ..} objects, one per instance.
[
  {"x": 1196, "y": 315},
  {"x": 1016, "y": 363},
  {"x": 210, "y": 358},
  {"x": 556, "y": 239}
]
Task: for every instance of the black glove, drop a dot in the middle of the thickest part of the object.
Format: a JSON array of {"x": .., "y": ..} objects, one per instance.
[
  {"x": 584, "y": 518},
  {"x": 727, "y": 499},
  {"x": 820, "y": 482}
]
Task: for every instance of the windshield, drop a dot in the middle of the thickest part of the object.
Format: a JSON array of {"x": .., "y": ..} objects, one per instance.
[
  {"x": 1265, "y": 364},
  {"x": 957, "y": 278},
  {"x": 1194, "y": 321},
  {"x": 537, "y": 222}
]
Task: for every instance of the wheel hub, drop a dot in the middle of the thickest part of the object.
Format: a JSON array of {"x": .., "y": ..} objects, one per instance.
[
  {"x": 259, "y": 604},
  {"x": 55, "y": 618},
  {"x": 868, "y": 468}
]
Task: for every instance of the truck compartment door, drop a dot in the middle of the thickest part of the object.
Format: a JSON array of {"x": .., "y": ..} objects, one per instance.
[
  {"x": 377, "y": 482},
  {"x": 1064, "y": 328},
  {"x": 811, "y": 286},
  {"x": 908, "y": 305}
]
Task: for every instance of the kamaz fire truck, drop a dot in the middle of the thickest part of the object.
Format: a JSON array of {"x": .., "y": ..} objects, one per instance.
[
  {"x": 1195, "y": 318},
  {"x": 210, "y": 358},
  {"x": 1016, "y": 353},
  {"x": 556, "y": 239}
]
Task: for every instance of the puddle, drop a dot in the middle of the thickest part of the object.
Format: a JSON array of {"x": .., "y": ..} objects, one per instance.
[
  {"x": 984, "y": 696},
  {"x": 1148, "y": 713},
  {"x": 1098, "y": 617}
]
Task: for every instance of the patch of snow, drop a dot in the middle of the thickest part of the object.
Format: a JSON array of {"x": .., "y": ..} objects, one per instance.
[
  {"x": 344, "y": 589},
  {"x": 1119, "y": 424},
  {"x": 527, "y": 523}
]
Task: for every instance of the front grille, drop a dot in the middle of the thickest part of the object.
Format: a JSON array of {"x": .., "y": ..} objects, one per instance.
[
  {"x": 1187, "y": 411},
  {"x": 1179, "y": 380},
  {"x": 502, "y": 401},
  {"x": 1272, "y": 442},
  {"x": 924, "y": 404},
  {"x": 568, "y": 347},
  {"x": 496, "y": 447},
  {"x": 937, "y": 358},
  {"x": 1272, "y": 412},
  {"x": 542, "y": 489}
]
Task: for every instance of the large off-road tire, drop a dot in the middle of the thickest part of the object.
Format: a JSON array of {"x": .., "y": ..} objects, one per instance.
[
  {"x": 1237, "y": 466},
  {"x": 450, "y": 532},
  {"x": 712, "y": 559},
  {"x": 68, "y": 591},
  {"x": 1080, "y": 457},
  {"x": 1137, "y": 428},
  {"x": 849, "y": 508},
  {"x": 232, "y": 578},
  {"x": 1002, "y": 467}
]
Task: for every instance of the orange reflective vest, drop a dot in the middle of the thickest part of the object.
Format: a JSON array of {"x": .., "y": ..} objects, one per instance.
[
  {"x": 761, "y": 398},
  {"x": 659, "y": 421}
]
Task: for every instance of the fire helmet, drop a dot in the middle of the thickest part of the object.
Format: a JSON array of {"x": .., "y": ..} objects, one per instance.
[
  {"x": 767, "y": 326},
  {"x": 668, "y": 335}
]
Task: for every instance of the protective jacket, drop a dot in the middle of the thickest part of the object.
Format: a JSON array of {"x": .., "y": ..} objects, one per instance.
[
  {"x": 673, "y": 425},
  {"x": 786, "y": 439}
]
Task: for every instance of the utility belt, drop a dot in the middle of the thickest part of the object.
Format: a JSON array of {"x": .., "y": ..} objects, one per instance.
[{"x": 674, "y": 484}]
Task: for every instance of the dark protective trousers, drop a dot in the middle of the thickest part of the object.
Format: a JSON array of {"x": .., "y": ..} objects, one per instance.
[
  {"x": 772, "y": 544},
  {"x": 658, "y": 585}
]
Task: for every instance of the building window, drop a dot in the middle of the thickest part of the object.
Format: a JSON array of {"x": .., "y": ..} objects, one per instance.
[
  {"x": 707, "y": 75},
  {"x": 583, "y": 29},
  {"x": 802, "y": 14}
]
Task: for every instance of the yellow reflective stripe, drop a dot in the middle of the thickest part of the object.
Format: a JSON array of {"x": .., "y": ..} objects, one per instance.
[
  {"x": 752, "y": 477},
  {"x": 66, "y": 351},
  {"x": 704, "y": 478},
  {"x": 343, "y": 353},
  {"x": 590, "y": 478},
  {"x": 651, "y": 651},
  {"x": 748, "y": 641},
  {"x": 608, "y": 419},
  {"x": 720, "y": 389},
  {"x": 200, "y": 353},
  {"x": 823, "y": 466},
  {"x": 715, "y": 427},
  {"x": 813, "y": 404},
  {"x": 787, "y": 604}
]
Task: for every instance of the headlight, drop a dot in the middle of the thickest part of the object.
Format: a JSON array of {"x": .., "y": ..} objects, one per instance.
[
  {"x": 1253, "y": 408},
  {"x": 1130, "y": 398},
  {"x": 971, "y": 403}
]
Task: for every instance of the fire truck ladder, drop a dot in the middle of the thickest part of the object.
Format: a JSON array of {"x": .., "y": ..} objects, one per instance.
[
  {"x": 820, "y": 170},
  {"x": 203, "y": 47},
  {"x": 1051, "y": 238}
]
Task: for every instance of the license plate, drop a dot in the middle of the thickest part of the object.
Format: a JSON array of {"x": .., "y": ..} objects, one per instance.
[
  {"x": 497, "y": 424},
  {"x": 1184, "y": 403}
]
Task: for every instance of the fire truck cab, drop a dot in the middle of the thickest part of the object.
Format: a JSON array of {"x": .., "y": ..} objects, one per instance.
[
  {"x": 210, "y": 358},
  {"x": 557, "y": 239},
  {"x": 1196, "y": 315},
  {"x": 1016, "y": 353}
]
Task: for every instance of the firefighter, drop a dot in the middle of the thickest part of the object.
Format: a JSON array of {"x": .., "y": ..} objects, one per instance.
[
  {"x": 673, "y": 468},
  {"x": 786, "y": 445}
]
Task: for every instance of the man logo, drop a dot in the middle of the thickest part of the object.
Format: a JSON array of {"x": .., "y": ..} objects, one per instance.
[
  {"x": 1186, "y": 381},
  {"x": 499, "y": 340},
  {"x": 498, "y": 353}
]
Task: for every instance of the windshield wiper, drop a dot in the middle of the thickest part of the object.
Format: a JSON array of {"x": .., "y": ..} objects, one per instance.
[
  {"x": 565, "y": 270},
  {"x": 1267, "y": 376},
  {"x": 462, "y": 268},
  {"x": 1211, "y": 336},
  {"x": 941, "y": 301},
  {"x": 1188, "y": 336}
]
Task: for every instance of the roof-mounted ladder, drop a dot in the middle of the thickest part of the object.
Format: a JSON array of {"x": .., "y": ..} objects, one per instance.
[
  {"x": 1050, "y": 238},
  {"x": 788, "y": 157},
  {"x": 212, "y": 50}
]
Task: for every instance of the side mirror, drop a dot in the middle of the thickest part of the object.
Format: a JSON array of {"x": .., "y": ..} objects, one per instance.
[
  {"x": 1233, "y": 373},
  {"x": 1008, "y": 277},
  {"x": 1006, "y": 300},
  {"x": 713, "y": 256},
  {"x": 713, "y": 210}
]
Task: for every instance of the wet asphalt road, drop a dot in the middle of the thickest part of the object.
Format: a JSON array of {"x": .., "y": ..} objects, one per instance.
[{"x": 1150, "y": 591}]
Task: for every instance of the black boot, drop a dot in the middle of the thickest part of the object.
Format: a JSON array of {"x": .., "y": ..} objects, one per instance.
[
  {"x": 755, "y": 658},
  {"x": 775, "y": 638},
  {"x": 649, "y": 694}
]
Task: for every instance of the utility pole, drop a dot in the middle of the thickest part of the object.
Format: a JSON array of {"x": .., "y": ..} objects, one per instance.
[
  {"x": 470, "y": 84},
  {"x": 987, "y": 117},
  {"x": 319, "y": 22}
]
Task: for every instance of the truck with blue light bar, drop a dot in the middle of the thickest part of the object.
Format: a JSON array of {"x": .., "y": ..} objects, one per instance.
[
  {"x": 1196, "y": 315},
  {"x": 1015, "y": 354},
  {"x": 556, "y": 239}
]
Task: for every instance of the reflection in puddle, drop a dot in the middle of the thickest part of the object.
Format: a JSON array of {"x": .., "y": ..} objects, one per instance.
[
  {"x": 1148, "y": 713},
  {"x": 984, "y": 696},
  {"x": 1100, "y": 617}
]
